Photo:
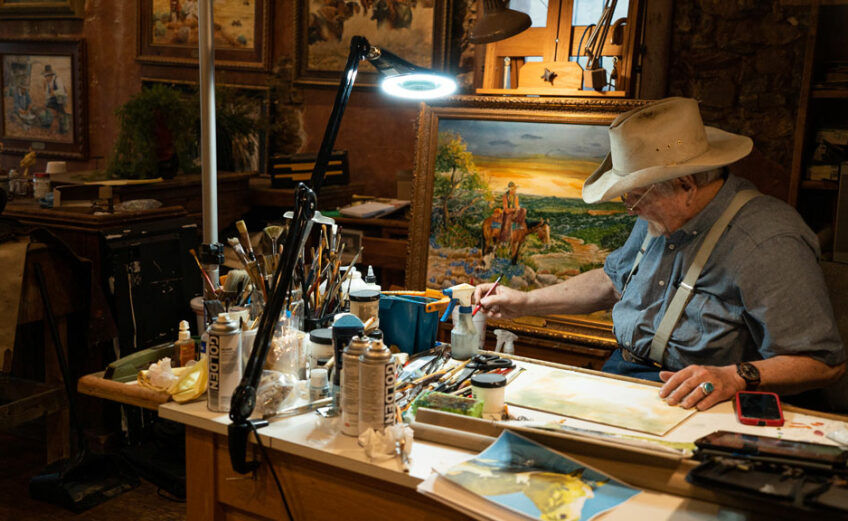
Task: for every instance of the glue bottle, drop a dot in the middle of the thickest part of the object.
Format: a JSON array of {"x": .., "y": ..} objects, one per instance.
[
  {"x": 464, "y": 342},
  {"x": 184, "y": 350},
  {"x": 371, "y": 280}
]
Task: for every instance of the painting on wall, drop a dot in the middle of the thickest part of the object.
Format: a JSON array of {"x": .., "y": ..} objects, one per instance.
[
  {"x": 41, "y": 9},
  {"x": 497, "y": 191},
  {"x": 168, "y": 32},
  {"x": 44, "y": 98},
  {"x": 598, "y": 399},
  {"x": 418, "y": 32}
]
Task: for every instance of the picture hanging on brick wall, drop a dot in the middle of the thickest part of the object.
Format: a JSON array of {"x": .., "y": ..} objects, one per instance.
[
  {"x": 168, "y": 32},
  {"x": 497, "y": 193},
  {"x": 44, "y": 98},
  {"x": 417, "y": 31}
]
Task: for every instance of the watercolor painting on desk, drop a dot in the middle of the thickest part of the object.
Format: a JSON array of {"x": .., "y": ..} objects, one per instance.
[
  {"x": 599, "y": 399},
  {"x": 522, "y": 476}
]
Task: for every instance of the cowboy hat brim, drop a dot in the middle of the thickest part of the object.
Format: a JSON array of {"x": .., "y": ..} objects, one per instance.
[{"x": 607, "y": 183}]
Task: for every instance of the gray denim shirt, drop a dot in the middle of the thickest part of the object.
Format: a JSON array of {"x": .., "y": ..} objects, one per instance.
[{"x": 761, "y": 292}]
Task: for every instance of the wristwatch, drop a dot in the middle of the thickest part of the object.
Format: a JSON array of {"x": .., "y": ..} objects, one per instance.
[{"x": 750, "y": 374}]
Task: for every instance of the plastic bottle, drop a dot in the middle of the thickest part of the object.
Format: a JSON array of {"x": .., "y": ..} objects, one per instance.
[
  {"x": 355, "y": 283},
  {"x": 505, "y": 341},
  {"x": 464, "y": 338},
  {"x": 319, "y": 386},
  {"x": 184, "y": 350},
  {"x": 371, "y": 280}
]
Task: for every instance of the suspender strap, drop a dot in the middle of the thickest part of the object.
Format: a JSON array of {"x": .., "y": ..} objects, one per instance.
[
  {"x": 686, "y": 287},
  {"x": 642, "y": 249}
]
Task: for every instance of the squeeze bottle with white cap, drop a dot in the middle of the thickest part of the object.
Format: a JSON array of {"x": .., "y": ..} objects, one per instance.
[
  {"x": 184, "y": 349},
  {"x": 371, "y": 280},
  {"x": 464, "y": 342}
]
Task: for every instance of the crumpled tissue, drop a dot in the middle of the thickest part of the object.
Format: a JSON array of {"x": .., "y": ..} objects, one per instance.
[
  {"x": 182, "y": 383},
  {"x": 383, "y": 445}
]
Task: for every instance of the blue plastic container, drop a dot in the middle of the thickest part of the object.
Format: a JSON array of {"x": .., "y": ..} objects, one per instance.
[{"x": 406, "y": 324}]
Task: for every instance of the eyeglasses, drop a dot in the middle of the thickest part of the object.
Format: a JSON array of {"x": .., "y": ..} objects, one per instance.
[{"x": 633, "y": 206}]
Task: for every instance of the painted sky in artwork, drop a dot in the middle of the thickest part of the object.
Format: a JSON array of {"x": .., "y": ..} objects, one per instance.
[{"x": 541, "y": 158}]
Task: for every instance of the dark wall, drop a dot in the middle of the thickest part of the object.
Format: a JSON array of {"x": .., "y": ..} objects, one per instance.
[{"x": 741, "y": 58}]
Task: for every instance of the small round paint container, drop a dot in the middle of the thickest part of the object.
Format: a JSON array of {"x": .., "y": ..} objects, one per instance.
[{"x": 490, "y": 389}]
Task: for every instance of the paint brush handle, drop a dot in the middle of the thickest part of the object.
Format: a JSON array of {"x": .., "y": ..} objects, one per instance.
[
  {"x": 480, "y": 304},
  {"x": 245, "y": 239}
]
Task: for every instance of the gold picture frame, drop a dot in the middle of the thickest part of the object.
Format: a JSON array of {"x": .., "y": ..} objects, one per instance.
[
  {"x": 417, "y": 31},
  {"x": 486, "y": 127},
  {"x": 242, "y": 33}
]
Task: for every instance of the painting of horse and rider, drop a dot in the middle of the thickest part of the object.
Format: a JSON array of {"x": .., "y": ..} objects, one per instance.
[{"x": 506, "y": 200}]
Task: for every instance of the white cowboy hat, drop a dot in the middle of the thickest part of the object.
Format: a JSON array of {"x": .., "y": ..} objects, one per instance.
[{"x": 658, "y": 142}]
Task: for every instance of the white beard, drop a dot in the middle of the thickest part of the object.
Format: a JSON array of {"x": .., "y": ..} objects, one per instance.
[{"x": 656, "y": 229}]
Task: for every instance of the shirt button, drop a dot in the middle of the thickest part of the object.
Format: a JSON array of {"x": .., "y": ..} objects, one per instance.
[
  {"x": 627, "y": 344},
  {"x": 671, "y": 246},
  {"x": 662, "y": 283}
]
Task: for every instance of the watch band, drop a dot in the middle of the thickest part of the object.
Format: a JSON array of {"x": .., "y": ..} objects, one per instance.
[{"x": 750, "y": 374}]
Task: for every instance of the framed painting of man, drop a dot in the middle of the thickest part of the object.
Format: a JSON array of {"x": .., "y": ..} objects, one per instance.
[
  {"x": 168, "y": 32},
  {"x": 44, "y": 97},
  {"x": 497, "y": 191},
  {"x": 418, "y": 32}
]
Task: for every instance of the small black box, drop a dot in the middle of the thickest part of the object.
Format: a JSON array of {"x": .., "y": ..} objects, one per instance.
[{"x": 288, "y": 170}]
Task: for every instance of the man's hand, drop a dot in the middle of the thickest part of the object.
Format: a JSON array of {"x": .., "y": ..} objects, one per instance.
[
  {"x": 503, "y": 302},
  {"x": 684, "y": 387}
]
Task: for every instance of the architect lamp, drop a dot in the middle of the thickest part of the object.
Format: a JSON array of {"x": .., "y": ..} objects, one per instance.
[{"x": 401, "y": 78}]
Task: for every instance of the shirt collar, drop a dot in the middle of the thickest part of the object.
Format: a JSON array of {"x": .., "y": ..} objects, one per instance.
[{"x": 703, "y": 220}]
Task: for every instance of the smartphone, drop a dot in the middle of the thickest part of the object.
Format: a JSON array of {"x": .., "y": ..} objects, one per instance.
[
  {"x": 772, "y": 449},
  {"x": 759, "y": 408}
]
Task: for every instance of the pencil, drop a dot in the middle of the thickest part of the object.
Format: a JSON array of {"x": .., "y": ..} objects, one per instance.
[{"x": 479, "y": 304}]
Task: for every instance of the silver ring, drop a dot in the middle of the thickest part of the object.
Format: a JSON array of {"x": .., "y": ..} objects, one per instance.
[{"x": 706, "y": 388}]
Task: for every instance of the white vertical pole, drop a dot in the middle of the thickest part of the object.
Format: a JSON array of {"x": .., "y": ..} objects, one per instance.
[{"x": 208, "y": 158}]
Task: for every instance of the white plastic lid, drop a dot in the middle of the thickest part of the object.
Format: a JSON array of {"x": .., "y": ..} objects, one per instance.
[
  {"x": 318, "y": 377},
  {"x": 185, "y": 333}
]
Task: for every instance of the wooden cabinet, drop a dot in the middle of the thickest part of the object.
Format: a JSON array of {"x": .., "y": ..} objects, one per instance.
[{"x": 822, "y": 109}]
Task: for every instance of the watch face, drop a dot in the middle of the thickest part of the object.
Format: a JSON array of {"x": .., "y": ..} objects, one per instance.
[{"x": 749, "y": 372}]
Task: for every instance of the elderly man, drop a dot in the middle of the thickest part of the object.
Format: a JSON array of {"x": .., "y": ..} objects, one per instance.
[{"x": 717, "y": 289}]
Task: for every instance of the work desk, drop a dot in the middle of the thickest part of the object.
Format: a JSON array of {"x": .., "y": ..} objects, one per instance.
[{"x": 327, "y": 476}]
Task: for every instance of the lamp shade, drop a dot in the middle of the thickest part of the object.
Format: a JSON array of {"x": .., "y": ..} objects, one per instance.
[
  {"x": 403, "y": 79},
  {"x": 498, "y": 22}
]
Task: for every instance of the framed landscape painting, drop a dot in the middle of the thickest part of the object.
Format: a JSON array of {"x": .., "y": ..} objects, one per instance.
[
  {"x": 497, "y": 191},
  {"x": 418, "y": 32},
  {"x": 44, "y": 97},
  {"x": 168, "y": 32}
]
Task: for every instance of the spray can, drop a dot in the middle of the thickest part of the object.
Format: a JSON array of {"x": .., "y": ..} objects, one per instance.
[
  {"x": 224, "y": 352},
  {"x": 350, "y": 384},
  {"x": 377, "y": 377},
  {"x": 345, "y": 327}
]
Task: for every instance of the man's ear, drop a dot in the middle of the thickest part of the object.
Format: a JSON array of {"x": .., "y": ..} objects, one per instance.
[{"x": 686, "y": 182}]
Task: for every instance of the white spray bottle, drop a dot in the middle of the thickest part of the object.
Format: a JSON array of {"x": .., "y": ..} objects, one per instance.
[
  {"x": 505, "y": 341},
  {"x": 464, "y": 342}
]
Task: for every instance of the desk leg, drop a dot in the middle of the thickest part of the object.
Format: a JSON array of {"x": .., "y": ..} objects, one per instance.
[
  {"x": 201, "y": 501},
  {"x": 58, "y": 424}
]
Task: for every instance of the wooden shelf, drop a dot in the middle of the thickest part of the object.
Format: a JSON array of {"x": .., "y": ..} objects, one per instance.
[
  {"x": 830, "y": 93},
  {"x": 819, "y": 185}
]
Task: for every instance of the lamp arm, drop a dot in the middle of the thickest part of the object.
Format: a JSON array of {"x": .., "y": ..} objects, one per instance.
[
  {"x": 244, "y": 397},
  {"x": 359, "y": 48}
]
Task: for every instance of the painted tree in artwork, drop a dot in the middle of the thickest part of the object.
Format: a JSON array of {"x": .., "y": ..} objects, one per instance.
[{"x": 459, "y": 191}]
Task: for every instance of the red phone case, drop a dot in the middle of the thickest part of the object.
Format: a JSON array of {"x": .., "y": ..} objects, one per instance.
[{"x": 760, "y": 422}]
